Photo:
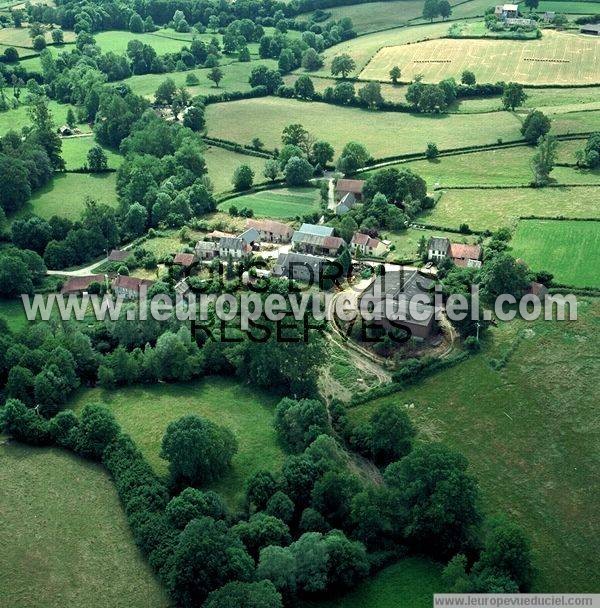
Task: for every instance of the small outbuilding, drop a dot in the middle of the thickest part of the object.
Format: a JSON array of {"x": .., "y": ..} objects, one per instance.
[{"x": 592, "y": 29}]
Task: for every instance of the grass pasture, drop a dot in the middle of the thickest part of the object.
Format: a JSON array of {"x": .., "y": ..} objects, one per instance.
[
  {"x": 501, "y": 167},
  {"x": 117, "y": 40},
  {"x": 18, "y": 118},
  {"x": 75, "y": 150},
  {"x": 572, "y": 7},
  {"x": 383, "y": 133},
  {"x": 235, "y": 78},
  {"x": 145, "y": 412},
  {"x": 406, "y": 243},
  {"x": 410, "y": 582},
  {"x": 65, "y": 195},
  {"x": 557, "y": 58},
  {"x": 222, "y": 163},
  {"x": 531, "y": 435},
  {"x": 284, "y": 203},
  {"x": 485, "y": 209},
  {"x": 569, "y": 250},
  {"x": 19, "y": 37},
  {"x": 65, "y": 538}
]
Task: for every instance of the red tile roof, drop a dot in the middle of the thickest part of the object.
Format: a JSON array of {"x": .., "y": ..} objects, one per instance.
[
  {"x": 79, "y": 284},
  {"x": 131, "y": 283},
  {"x": 360, "y": 239},
  {"x": 459, "y": 251},
  {"x": 269, "y": 226},
  {"x": 333, "y": 242},
  {"x": 184, "y": 259},
  {"x": 350, "y": 185}
]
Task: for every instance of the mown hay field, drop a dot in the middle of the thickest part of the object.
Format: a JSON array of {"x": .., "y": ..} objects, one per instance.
[
  {"x": 530, "y": 432},
  {"x": 491, "y": 209},
  {"x": 383, "y": 133},
  {"x": 557, "y": 58},
  {"x": 284, "y": 203},
  {"x": 361, "y": 49},
  {"x": 569, "y": 250},
  {"x": 66, "y": 541}
]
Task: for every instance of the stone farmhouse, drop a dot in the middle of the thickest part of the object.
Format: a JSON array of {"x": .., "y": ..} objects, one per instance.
[
  {"x": 466, "y": 256},
  {"x": 319, "y": 240},
  {"x": 271, "y": 231},
  {"x": 367, "y": 245}
]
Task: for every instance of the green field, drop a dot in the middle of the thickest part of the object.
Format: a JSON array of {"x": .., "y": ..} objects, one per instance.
[
  {"x": 376, "y": 16},
  {"x": 65, "y": 195},
  {"x": 116, "y": 41},
  {"x": 222, "y": 163},
  {"x": 75, "y": 149},
  {"x": 568, "y": 6},
  {"x": 18, "y": 118},
  {"x": 492, "y": 209},
  {"x": 530, "y": 432},
  {"x": 235, "y": 78},
  {"x": 569, "y": 250},
  {"x": 145, "y": 412},
  {"x": 406, "y": 243},
  {"x": 19, "y": 37},
  {"x": 284, "y": 203},
  {"x": 411, "y": 583},
  {"x": 556, "y": 58},
  {"x": 65, "y": 540},
  {"x": 502, "y": 167},
  {"x": 404, "y": 133}
]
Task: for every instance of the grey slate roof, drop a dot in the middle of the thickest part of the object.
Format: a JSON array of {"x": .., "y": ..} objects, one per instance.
[
  {"x": 438, "y": 243},
  {"x": 316, "y": 229},
  {"x": 231, "y": 242},
  {"x": 299, "y": 266}
]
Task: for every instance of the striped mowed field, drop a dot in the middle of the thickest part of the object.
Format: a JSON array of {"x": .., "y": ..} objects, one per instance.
[{"x": 556, "y": 58}]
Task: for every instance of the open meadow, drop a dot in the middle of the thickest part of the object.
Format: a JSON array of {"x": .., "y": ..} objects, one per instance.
[
  {"x": 65, "y": 195},
  {"x": 491, "y": 209},
  {"x": 285, "y": 203},
  {"x": 530, "y": 432},
  {"x": 145, "y": 412},
  {"x": 116, "y": 41},
  {"x": 569, "y": 250},
  {"x": 235, "y": 78},
  {"x": 573, "y": 7},
  {"x": 502, "y": 167},
  {"x": 222, "y": 163},
  {"x": 556, "y": 58},
  {"x": 383, "y": 133},
  {"x": 65, "y": 540},
  {"x": 75, "y": 150},
  {"x": 19, "y": 37}
]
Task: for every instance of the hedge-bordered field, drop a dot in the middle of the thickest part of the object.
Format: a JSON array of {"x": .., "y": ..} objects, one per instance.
[
  {"x": 145, "y": 412},
  {"x": 557, "y": 58},
  {"x": 222, "y": 163},
  {"x": 496, "y": 208},
  {"x": 65, "y": 538},
  {"x": 528, "y": 431},
  {"x": 65, "y": 195},
  {"x": 569, "y": 250},
  {"x": 13, "y": 36},
  {"x": 235, "y": 78},
  {"x": 75, "y": 150},
  {"x": 281, "y": 204},
  {"x": 383, "y": 133}
]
